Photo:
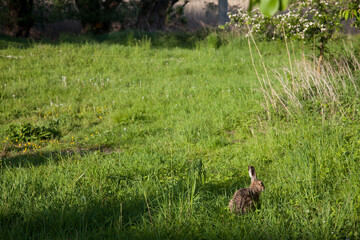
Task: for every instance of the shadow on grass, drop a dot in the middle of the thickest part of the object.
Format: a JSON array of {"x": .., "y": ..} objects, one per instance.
[
  {"x": 98, "y": 219},
  {"x": 34, "y": 159},
  {"x": 125, "y": 38},
  {"x": 84, "y": 215},
  {"x": 11, "y": 42},
  {"x": 109, "y": 218}
]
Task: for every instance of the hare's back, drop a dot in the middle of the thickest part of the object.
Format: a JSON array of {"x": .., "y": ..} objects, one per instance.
[{"x": 241, "y": 199}]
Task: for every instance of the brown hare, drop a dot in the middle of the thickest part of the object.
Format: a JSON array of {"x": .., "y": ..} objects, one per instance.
[{"x": 246, "y": 198}]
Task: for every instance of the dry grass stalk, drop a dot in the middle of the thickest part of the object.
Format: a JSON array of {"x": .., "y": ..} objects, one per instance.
[
  {"x": 306, "y": 84},
  {"x": 301, "y": 82},
  {"x": 266, "y": 85}
]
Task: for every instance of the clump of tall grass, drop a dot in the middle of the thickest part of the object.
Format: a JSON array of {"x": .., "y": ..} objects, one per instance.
[{"x": 302, "y": 86}]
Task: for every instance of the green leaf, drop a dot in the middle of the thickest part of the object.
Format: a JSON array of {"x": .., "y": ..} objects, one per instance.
[
  {"x": 283, "y": 5},
  {"x": 355, "y": 13},
  {"x": 269, "y": 7}
]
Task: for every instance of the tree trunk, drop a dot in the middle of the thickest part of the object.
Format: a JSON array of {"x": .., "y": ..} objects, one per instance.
[
  {"x": 96, "y": 15},
  {"x": 20, "y": 19},
  {"x": 153, "y": 14},
  {"x": 222, "y": 12}
]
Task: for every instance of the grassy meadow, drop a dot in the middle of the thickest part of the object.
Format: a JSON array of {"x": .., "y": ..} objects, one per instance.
[{"x": 127, "y": 136}]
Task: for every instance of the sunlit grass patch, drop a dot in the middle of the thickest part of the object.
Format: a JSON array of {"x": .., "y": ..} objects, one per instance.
[{"x": 113, "y": 140}]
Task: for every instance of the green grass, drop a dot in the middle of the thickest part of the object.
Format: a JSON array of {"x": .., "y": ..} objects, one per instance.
[{"x": 132, "y": 137}]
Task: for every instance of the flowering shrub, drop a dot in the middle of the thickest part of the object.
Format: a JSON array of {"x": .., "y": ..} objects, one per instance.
[
  {"x": 307, "y": 20},
  {"x": 303, "y": 20}
]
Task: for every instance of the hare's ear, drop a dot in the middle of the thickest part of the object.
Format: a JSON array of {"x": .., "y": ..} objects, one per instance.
[{"x": 252, "y": 172}]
